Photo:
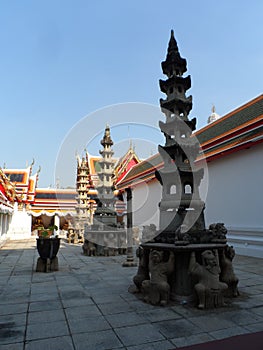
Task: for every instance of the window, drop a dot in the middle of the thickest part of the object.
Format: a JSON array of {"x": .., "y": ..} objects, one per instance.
[
  {"x": 187, "y": 189},
  {"x": 173, "y": 189}
]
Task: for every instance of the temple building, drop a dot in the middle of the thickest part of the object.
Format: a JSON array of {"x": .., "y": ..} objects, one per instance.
[
  {"x": 8, "y": 197},
  {"x": 232, "y": 146},
  {"x": 52, "y": 206},
  {"x": 31, "y": 206},
  {"x": 25, "y": 186}
]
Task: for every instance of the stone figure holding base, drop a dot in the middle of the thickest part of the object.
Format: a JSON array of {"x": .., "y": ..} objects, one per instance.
[
  {"x": 157, "y": 289},
  {"x": 227, "y": 272},
  {"x": 143, "y": 269},
  {"x": 89, "y": 248},
  {"x": 208, "y": 288},
  {"x": 110, "y": 244}
]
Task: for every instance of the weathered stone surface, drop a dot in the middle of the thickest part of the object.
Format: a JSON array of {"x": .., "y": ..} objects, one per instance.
[
  {"x": 47, "y": 265},
  {"x": 208, "y": 287},
  {"x": 157, "y": 289},
  {"x": 182, "y": 227}
]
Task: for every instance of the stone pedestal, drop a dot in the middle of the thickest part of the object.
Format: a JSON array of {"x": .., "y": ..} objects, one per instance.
[
  {"x": 47, "y": 249},
  {"x": 106, "y": 242},
  {"x": 130, "y": 259},
  {"x": 181, "y": 283},
  {"x": 47, "y": 265}
]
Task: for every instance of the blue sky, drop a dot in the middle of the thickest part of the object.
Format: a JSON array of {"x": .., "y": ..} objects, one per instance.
[{"x": 62, "y": 60}]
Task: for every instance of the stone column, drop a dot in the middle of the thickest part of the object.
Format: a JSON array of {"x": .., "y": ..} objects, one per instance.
[
  {"x": 1, "y": 224},
  {"x": 57, "y": 223},
  {"x": 130, "y": 259}
]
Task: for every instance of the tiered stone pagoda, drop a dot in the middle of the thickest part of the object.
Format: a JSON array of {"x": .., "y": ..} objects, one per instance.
[
  {"x": 182, "y": 261},
  {"x": 83, "y": 215},
  {"x": 105, "y": 212},
  {"x": 105, "y": 236},
  {"x": 181, "y": 208}
]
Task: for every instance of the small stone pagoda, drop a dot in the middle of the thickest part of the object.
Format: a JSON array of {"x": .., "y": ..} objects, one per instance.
[
  {"x": 83, "y": 214},
  {"x": 105, "y": 236},
  {"x": 182, "y": 261},
  {"x": 105, "y": 212}
]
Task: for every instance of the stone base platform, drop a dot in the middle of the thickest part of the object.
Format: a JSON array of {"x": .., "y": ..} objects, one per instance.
[{"x": 47, "y": 265}]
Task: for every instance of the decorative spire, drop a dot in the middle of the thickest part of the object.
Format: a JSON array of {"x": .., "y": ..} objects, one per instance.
[
  {"x": 172, "y": 46},
  {"x": 174, "y": 65},
  {"x": 213, "y": 116},
  {"x": 107, "y": 141}
]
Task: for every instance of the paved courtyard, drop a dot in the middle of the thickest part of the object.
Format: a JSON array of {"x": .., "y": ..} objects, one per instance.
[{"x": 86, "y": 305}]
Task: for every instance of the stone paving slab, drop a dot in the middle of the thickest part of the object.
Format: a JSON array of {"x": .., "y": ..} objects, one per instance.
[
  {"x": 139, "y": 334},
  {"x": 58, "y": 343},
  {"x": 158, "y": 345},
  {"x": 86, "y": 305},
  {"x": 97, "y": 340},
  {"x": 192, "y": 339}
]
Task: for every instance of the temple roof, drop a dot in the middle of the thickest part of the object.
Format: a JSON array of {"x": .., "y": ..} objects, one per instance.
[
  {"x": 52, "y": 201},
  {"x": 125, "y": 163},
  {"x": 238, "y": 118},
  {"x": 25, "y": 183},
  {"x": 141, "y": 172},
  {"x": 239, "y": 129},
  {"x": 8, "y": 194}
]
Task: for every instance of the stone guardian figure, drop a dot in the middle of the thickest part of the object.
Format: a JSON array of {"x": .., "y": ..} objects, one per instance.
[
  {"x": 157, "y": 289},
  {"x": 227, "y": 272},
  {"x": 208, "y": 288},
  {"x": 143, "y": 268}
]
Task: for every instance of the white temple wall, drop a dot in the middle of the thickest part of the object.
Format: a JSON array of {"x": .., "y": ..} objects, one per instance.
[
  {"x": 146, "y": 197},
  {"x": 20, "y": 225},
  {"x": 235, "y": 197},
  {"x": 5, "y": 219}
]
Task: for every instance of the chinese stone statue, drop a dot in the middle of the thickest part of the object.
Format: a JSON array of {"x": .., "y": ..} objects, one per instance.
[
  {"x": 157, "y": 289},
  {"x": 208, "y": 288},
  {"x": 143, "y": 270},
  {"x": 227, "y": 272}
]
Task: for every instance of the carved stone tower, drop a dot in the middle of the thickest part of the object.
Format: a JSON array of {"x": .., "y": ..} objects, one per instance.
[
  {"x": 181, "y": 209},
  {"x": 105, "y": 212},
  {"x": 183, "y": 253},
  {"x": 104, "y": 234},
  {"x": 104, "y": 188},
  {"x": 82, "y": 187},
  {"x": 182, "y": 261}
]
